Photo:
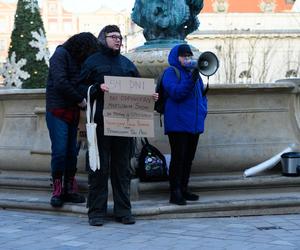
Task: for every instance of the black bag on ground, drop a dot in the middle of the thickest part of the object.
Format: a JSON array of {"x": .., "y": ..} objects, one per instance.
[{"x": 151, "y": 163}]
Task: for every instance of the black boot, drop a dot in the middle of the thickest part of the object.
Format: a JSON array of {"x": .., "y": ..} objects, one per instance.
[
  {"x": 176, "y": 197},
  {"x": 190, "y": 196},
  {"x": 57, "y": 195},
  {"x": 71, "y": 190},
  {"x": 126, "y": 220}
]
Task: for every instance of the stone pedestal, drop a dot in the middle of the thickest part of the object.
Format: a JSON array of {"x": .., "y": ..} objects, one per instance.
[{"x": 150, "y": 62}]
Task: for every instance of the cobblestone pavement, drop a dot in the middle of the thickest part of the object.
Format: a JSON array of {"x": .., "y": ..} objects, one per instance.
[{"x": 28, "y": 230}]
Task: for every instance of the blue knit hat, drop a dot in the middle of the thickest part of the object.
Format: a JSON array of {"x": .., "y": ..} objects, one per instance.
[{"x": 184, "y": 50}]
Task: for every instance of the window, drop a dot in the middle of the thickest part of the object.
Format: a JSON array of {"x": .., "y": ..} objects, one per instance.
[
  {"x": 291, "y": 73},
  {"x": 3, "y": 25},
  {"x": 53, "y": 25},
  {"x": 52, "y": 8},
  {"x": 2, "y": 45},
  {"x": 86, "y": 27},
  {"x": 220, "y": 6},
  {"x": 245, "y": 76},
  {"x": 267, "y": 6},
  {"x": 68, "y": 27}
]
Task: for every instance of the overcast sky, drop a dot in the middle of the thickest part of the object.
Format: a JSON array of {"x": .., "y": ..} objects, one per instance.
[{"x": 90, "y": 5}]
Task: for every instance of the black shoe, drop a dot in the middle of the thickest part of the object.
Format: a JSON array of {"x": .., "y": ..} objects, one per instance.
[
  {"x": 56, "y": 201},
  {"x": 71, "y": 193},
  {"x": 127, "y": 220},
  {"x": 190, "y": 196},
  {"x": 179, "y": 202},
  {"x": 74, "y": 198},
  {"x": 97, "y": 221},
  {"x": 177, "y": 198}
]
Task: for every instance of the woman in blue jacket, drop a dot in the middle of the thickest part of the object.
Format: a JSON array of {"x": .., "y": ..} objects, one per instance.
[{"x": 184, "y": 116}]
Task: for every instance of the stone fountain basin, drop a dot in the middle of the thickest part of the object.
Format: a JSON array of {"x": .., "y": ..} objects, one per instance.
[{"x": 246, "y": 124}]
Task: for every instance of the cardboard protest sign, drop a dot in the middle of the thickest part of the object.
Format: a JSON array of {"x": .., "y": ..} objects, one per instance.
[
  {"x": 128, "y": 107},
  {"x": 130, "y": 85}
]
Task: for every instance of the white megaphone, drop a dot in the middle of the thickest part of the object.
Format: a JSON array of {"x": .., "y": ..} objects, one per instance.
[{"x": 208, "y": 63}]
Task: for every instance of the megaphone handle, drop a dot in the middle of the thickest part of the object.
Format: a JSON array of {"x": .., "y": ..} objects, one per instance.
[{"x": 207, "y": 87}]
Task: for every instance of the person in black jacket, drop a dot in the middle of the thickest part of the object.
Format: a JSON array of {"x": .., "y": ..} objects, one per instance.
[
  {"x": 114, "y": 151},
  {"x": 63, "y": 102}
]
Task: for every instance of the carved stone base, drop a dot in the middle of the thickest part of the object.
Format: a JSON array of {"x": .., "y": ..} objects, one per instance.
[{"x": 150, "y": 62}]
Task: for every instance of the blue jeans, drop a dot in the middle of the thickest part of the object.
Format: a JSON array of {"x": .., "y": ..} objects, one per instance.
[{"x": 63, "y": 138}]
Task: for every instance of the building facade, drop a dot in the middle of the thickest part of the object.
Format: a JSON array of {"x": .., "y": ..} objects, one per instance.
[
  {"x": 61, "y": 24},
  {"x": 256, "y": 41},
  {"x": 261, "y": 49}
]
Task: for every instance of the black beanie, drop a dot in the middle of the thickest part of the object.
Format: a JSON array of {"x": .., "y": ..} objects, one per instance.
[
  {"x": 184, "y": 50},
  {"x": 105, "y": 30}
]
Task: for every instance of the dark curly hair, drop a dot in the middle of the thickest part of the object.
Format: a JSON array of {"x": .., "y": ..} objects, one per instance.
[{"x": 81, "y": 46}]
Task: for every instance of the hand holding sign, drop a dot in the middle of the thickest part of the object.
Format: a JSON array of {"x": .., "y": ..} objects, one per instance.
[{"x": 104, "y": 87}]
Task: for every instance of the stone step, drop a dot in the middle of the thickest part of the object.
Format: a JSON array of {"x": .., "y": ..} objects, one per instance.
[
  {"x": 211, "y": 203},
  {"x": 226, "y": 181},
  {"x": 220, "y": 195},
  {"x": 204, "y": 182},
  {"x": 42, "y": 181}
]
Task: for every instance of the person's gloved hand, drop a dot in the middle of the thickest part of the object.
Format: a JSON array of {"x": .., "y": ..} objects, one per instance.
[
  {"x": 195, "y": 75},
  {"x": 82, "y": 105}
]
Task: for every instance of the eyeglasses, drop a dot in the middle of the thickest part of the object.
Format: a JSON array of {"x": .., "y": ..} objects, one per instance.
[{"x": 115, "y": 38}]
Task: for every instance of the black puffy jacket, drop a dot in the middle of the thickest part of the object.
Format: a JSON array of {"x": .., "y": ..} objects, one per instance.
[
  {"x": 98, "y": 65},
  {"x": 62, "y": 80}
]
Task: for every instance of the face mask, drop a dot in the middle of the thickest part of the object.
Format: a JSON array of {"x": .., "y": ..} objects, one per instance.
[{"x": 190, "y": 63}]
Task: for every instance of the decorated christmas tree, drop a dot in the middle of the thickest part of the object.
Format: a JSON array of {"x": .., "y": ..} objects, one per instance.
[{"x": 28, "y": 56}]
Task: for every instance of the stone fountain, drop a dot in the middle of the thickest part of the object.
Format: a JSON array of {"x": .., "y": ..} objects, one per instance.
[{"x": 246, "y": 123}]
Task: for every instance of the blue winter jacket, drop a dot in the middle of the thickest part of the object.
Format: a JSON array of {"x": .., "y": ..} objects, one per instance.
[{"x": 185, "y": 106}]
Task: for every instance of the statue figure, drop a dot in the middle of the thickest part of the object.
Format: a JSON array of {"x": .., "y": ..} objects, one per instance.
[{"x": 166, "y": 19}]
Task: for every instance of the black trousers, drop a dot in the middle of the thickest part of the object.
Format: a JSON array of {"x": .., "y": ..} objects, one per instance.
[
  {"x": 115, "y": 161},
  {"x": 183, "y": 149}
]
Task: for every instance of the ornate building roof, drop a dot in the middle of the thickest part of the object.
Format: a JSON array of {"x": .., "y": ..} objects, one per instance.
[{"x": 247, "y": 6}]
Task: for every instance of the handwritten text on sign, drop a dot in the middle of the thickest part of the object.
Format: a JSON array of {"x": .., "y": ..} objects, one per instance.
[
  {"x": 128, "y": 107},
  {"x": 130, "y": 85},
  {"x": 129, "y": 128}
]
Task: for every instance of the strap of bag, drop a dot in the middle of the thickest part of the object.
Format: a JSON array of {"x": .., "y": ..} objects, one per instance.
[
  {"x": 144, "y": 141},
  {"x": 177, "y": 72},
  {"x": 90, "y": 114}
]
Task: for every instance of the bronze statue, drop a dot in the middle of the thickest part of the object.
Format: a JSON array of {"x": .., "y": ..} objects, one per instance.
[{"x": 167, "y": 19}]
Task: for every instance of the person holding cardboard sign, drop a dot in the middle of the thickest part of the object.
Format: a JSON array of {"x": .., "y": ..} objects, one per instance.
[{"x": 115, "y": 151}]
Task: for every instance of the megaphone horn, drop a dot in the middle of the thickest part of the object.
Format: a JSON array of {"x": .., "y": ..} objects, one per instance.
[{"x": 208, "y": 63}]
